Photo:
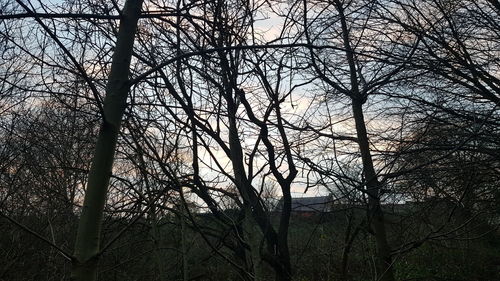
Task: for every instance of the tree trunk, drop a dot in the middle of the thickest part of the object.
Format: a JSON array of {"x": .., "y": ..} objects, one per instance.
[
  {"x": 254, "y": 238},
  {"x": 84, "y": 267},
  {"x": 384, "y": 260},
  {"x": 185, "y": 270}
]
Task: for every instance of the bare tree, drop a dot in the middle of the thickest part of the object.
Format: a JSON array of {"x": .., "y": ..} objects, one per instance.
[
  {"x": 195, "y": 107},
  {"x": 358, "y": 71}
]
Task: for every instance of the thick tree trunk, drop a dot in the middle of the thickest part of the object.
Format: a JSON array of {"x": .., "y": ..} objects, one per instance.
[
  {"x": 185, "y": 269},
  {"x": 254, "y": 237},
  {"x": 84, "y": 266},
  {"x": 384, "y": 260},
  {"x": 277, "y": 245}
]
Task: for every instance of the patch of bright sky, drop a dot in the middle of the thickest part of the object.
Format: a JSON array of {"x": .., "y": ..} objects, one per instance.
[{"x": 269, "y": 26}]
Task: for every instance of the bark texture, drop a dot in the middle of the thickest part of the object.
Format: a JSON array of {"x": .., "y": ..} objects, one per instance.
[
  {"x": 384, "y": 259},
  {"x": 86, "y": 255}
]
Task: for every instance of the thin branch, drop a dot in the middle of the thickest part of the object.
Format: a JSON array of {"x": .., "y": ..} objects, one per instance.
[
  {"x": 229, "y": 48},
  {"x": 64, "y": 253}
]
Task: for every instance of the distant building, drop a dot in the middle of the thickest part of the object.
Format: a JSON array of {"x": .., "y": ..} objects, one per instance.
[{"x": 308, "y": 206}]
